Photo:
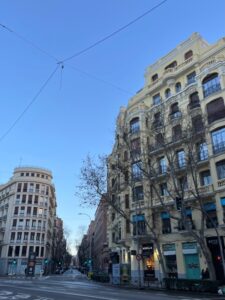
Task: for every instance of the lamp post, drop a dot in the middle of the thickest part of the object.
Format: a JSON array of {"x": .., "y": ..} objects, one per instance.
[{"x": 90, "y": 243}]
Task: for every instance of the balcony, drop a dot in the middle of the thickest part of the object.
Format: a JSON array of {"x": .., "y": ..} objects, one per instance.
[
  {"x": 176, "y": 115},
  {"x": 206, "y": 189},
  {"x": 221, "y": 182},
  {"x": 166, "y": 230},
  {"x": 203, "y": 156}
]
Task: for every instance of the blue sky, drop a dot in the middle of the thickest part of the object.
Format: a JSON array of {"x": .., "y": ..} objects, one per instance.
[{"x": 75, "y": 115}]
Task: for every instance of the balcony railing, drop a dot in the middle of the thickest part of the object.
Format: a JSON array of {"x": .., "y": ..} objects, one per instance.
[
  {"x": 166, "y": 230},
  {"x": 175, "y": 115}
]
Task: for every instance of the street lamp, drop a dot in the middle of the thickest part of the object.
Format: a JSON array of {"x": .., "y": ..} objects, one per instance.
[{"x": 90, "y": 248}]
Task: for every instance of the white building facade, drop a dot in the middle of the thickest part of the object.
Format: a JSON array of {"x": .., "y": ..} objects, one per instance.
[{"x": 27, "y": 212}]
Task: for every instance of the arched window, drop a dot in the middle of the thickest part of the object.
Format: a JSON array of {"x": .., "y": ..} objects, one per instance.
[
  {"x": 134, "y": 125},
  {"x": 188, "y": 54},
  {"x": 155, "y": 77},
  {"x": 211, "y": 84},
  {"x": 215, "y": 110},
  {"x": 194, "y": 100},
  {"x": 167, "y": 93},
  {"x": 178, "y": 87}
]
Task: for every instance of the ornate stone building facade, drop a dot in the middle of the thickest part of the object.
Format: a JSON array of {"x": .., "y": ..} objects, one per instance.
[{"x": 151, "y": 166}]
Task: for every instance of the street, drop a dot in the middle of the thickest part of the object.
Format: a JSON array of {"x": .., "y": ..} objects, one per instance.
[{"x": 73, "y": 285}]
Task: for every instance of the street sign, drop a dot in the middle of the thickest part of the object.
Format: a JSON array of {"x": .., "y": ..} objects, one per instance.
[{"x": 138, "y": 257}]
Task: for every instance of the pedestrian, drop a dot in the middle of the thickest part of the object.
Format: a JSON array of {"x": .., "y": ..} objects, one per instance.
[
  {"x": 207, "y": 273},
  {"x": 203, "y": 274},
  {"x": 25, "y": 271}
]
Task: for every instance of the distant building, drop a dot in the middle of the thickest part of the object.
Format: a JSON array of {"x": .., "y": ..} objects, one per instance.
[
  {"x": 27, "y": 214},
  {"x": 59, "y": 244},
  {"x": 100, "y": 245}
]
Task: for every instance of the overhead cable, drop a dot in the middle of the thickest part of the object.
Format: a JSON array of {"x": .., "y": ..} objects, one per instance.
[
  {"x": 114, "y": 32},
  {"x": 29, "y": 104}
]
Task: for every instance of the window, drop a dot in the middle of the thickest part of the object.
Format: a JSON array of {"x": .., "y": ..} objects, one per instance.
[
  {"x": 156, "y": 99},
  {"x": 127, "y": 202},
  {"x": 136, "y": 146},
  {"x": 167, "y": 93},
  {"x": 36, "y": 199},
  {"x": 27, "y": 174},
  {"x": 191, "y": 78},
  {"x": 17, "y": 251},
  {"x": 157, "y": 120},
  {"x": 32, "y": 236},
  {"x": 31, "y": 249},
  {"x": 162, "y": 165},
  {"x": 10, "y": 251},
  {"x": 14, "y": 222},
  {"x": 127, "y": 226},
  {"x": 28, "y": 210},
  {"x": 215, "y": 110},
  {"x": 25, "y": 187},
  {"x": 202, "y": 150},
  {"x": 220, "y": 169},
  {"x": 12, "y": 238},
  {"x": 19, "y": 187},
  {"x": 218, "y": 140},
  {"x": 24, "y": 198},
  {"x": 16, "y": 210},
  {"x": 25, "y": 237},
  {"x": 181, "y": 162},
  {"x": 159, "y": 140},
  {"x": 136, "y": 171},
  {"x": 178, "y": 87},
  {"x": 22, "y": 174},
  {"x": 197, "y": 124},
  {"x": 177, "y": 132},
  {"x": 211, "y": 216},
  {"x": 194, "y": 101},
  {"x": 37, "y": 188},
  {"x": 188, "y": 54},
  {"x": 171, "y": 65},
  {"x": 38, "y": 235},
  {"x": 134, "y": 125},
  {"x": 37, "y": 250},
  {"x": 42, "y": 251},
  {"x": 175, "y": 112},
  {"x": 166, "y": 225},
  {"x": 139, "y": 226},
  {"x": 30, "y": 199},
  {"x": 205, "y": 178},
  {"x": 34, "y": 211},
  {"x": 33, "y": 224},
  {"x": 183, "y": 183},
  {"x": 19, "y": 236},
  {"x": 126, "y": 176},
  {"x": 211, "y": 84},
  {"x": 138, "y": 193},
  {"x": 24, "y": 251},
  {"x": 155, "y": 77},
  {"x": 163, "y": 189}
]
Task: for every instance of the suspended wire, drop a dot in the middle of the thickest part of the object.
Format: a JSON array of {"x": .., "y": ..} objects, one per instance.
[
  {"x": 100, "y": 80},
  {"x": 29, "y": 104},
  {"x": 114, "y": 32},
  {"x": 30, "y": 42}
]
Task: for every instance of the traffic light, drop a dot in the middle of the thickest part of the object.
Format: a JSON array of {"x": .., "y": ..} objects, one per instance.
[
  {"x": 14, "y": 262},
  {"x": 46, "y": 261}
]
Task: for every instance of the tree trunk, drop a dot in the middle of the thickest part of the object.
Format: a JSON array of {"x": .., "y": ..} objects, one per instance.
[{"x": 208, "y": 258}]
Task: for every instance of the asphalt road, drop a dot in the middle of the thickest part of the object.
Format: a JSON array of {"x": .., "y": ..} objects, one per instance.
[{"x": 73, "y": 285}]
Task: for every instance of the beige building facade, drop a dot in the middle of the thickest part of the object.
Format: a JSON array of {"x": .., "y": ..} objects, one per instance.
[
  {"x": 27, "y": 214},
  {"x": 186, "y": 86}
]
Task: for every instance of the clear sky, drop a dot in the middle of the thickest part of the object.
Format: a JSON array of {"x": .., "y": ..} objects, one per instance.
[{"x": 75, "y": 115}]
